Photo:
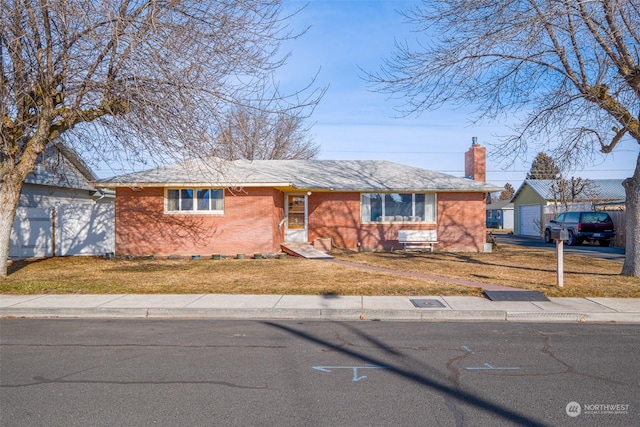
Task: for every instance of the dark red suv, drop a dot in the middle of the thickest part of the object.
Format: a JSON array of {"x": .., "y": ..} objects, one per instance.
[{"x": 583, "y": 226}]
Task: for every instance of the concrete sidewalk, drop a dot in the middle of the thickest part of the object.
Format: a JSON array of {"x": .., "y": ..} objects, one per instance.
[{"x": 312, "y": 307}]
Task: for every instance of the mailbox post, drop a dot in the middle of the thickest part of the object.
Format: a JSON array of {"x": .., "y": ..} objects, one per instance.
[{"x": 560, "y": 235}]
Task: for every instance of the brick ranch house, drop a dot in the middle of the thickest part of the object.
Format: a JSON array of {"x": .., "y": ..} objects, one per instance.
[{"x": 207, "y": 207}]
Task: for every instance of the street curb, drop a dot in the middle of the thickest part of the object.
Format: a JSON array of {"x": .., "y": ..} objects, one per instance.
[
  {"x": 614, "y": 317},
  {"x": 573, "y": 317},
  {"x": 317, "y": 314},
  {"x": 73, "y": 313}
]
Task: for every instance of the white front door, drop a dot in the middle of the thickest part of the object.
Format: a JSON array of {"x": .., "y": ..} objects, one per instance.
[{"x": 295, "y": 218}]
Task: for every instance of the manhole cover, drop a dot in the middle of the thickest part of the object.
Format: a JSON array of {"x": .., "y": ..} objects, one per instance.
[{"x": 427, "y": 303}]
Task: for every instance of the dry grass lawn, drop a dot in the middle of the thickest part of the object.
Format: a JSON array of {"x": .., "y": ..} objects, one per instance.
[
  {"x": 518, "y": 267},
  {"x": 507, "y": 265}
]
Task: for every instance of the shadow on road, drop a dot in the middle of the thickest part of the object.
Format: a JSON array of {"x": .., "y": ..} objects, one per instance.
[{"x": 449, "y": 390}]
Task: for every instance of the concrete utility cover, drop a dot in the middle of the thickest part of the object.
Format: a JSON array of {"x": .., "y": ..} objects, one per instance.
[
  {"x": 427, "y": 303},
  {"x": 515, "y": 296}
]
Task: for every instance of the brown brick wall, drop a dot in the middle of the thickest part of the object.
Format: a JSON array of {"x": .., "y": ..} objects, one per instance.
[
  {"x": 251, "y": 224},
  {"x": 142, "y": 227},
  {"x": 461, "y": 223},
  {"x": 335, "y": 215}
]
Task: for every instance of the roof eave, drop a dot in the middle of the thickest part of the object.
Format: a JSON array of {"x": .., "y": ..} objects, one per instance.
[
  {"x": 114, "y": 185},
  {"x": 287, "y": 185}
]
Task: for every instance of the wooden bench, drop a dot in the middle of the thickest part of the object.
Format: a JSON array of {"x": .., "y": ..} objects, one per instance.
[{"x": 418, "y": 239}]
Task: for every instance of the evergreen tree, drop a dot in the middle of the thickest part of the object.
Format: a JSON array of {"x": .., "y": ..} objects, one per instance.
[
  {"x": 507, "y": 193},
  {"x": 543, "y": 167}
]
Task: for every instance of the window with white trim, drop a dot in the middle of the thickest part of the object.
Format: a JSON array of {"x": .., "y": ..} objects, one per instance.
[
  {"x": 203, "y": 200},
  {"x": 398, "y": 207}
]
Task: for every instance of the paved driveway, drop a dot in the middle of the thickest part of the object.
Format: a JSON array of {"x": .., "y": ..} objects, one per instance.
[{"x": 610, "y": 253}]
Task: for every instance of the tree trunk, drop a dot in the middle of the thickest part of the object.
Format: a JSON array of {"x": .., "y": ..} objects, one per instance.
[
  {"x": 631, "y": 185},
  {"x": 9, "y": 198}
]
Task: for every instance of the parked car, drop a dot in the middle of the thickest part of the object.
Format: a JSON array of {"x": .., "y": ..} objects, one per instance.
[{"x": 583, "y": 226}]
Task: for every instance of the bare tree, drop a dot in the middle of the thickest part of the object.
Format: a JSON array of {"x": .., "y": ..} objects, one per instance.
[
  {"x": 569, "y": 68},
  {"x": 259, "y": 134},
  {"x": 571, "y": 190},
  {"x": 125, "y": 79}
]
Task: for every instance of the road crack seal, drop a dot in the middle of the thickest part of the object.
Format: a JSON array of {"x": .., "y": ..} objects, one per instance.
[
  {"x": 546, "y": 349},
  {"x": 454, "y": 371}
]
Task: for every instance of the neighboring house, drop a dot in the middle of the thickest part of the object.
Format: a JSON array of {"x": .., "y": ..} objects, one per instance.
[
  {"x": 59, "y": 211},
  {"x": 200, "y": 207},
  {"x": 500, "y": 215},
  {"x": 536, "y": 197},
  {"x": 60, "y": 177}
]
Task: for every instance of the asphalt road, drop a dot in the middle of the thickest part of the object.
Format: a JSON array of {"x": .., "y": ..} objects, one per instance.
[
  {"x": 593, "y": 250},
  {"x": 251, "y": 373}
]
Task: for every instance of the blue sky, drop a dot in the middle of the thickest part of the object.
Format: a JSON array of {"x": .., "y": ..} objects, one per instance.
[{"x": 352, "y": 122}]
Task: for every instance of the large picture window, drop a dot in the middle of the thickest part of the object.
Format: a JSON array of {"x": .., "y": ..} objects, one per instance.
[
  {"x": 195, "y": 200},
  {"x": 398, "y": 207}
]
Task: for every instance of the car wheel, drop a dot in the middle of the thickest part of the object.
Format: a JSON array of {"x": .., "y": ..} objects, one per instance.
[
  {"x": 571, "y": 241},
  {"x": 547, "y": 236},
  {"x": 604, "y": 242}
]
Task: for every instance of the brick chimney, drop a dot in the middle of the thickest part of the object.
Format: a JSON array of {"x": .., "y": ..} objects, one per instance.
[{"x": 475, "y": 162}]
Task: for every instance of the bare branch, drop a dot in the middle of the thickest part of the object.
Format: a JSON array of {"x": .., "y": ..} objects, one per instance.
[
  {"x": 145, "y": 81},
  {"x": 569, "y": 70},
  {"x": 509, "y": 57}
]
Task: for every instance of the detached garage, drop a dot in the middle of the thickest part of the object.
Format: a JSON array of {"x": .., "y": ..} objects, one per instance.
[
  {"x": 527, "y": 209},
  {"x": 536, "y": 195}
]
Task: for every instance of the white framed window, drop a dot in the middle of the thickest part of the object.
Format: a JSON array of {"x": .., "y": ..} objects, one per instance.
[
  {"x": 190, "y": 200},
  {"x": 398, "y": 207}
]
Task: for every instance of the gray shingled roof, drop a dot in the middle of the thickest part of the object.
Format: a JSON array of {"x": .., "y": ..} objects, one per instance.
[
  {"x": 338, "y": 175},
  {"x": 500, "y": 204},
  {"x": 601, "y": 189}
]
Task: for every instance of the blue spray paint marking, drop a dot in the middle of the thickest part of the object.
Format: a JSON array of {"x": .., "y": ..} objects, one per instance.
[
  {"x": 354, "y": 368},
  {"x": 488, "y": 367}
]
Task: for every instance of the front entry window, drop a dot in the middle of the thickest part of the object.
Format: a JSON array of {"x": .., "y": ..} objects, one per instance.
[{"x": 296, "y": 212}]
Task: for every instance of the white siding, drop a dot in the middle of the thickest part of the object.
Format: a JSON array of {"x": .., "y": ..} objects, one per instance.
[
  {"x": 85, "y": 229},
  {"x": 80, "y": 229},
  {"x": 507, "y": 219}
]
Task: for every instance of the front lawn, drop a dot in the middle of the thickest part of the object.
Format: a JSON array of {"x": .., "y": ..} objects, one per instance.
[{"x": 508, "y": 265}]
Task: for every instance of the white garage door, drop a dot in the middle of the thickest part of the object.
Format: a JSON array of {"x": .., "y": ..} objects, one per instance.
[
  {"x": 529, "y": 220},
  {"x": 31, "y": 235}
]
